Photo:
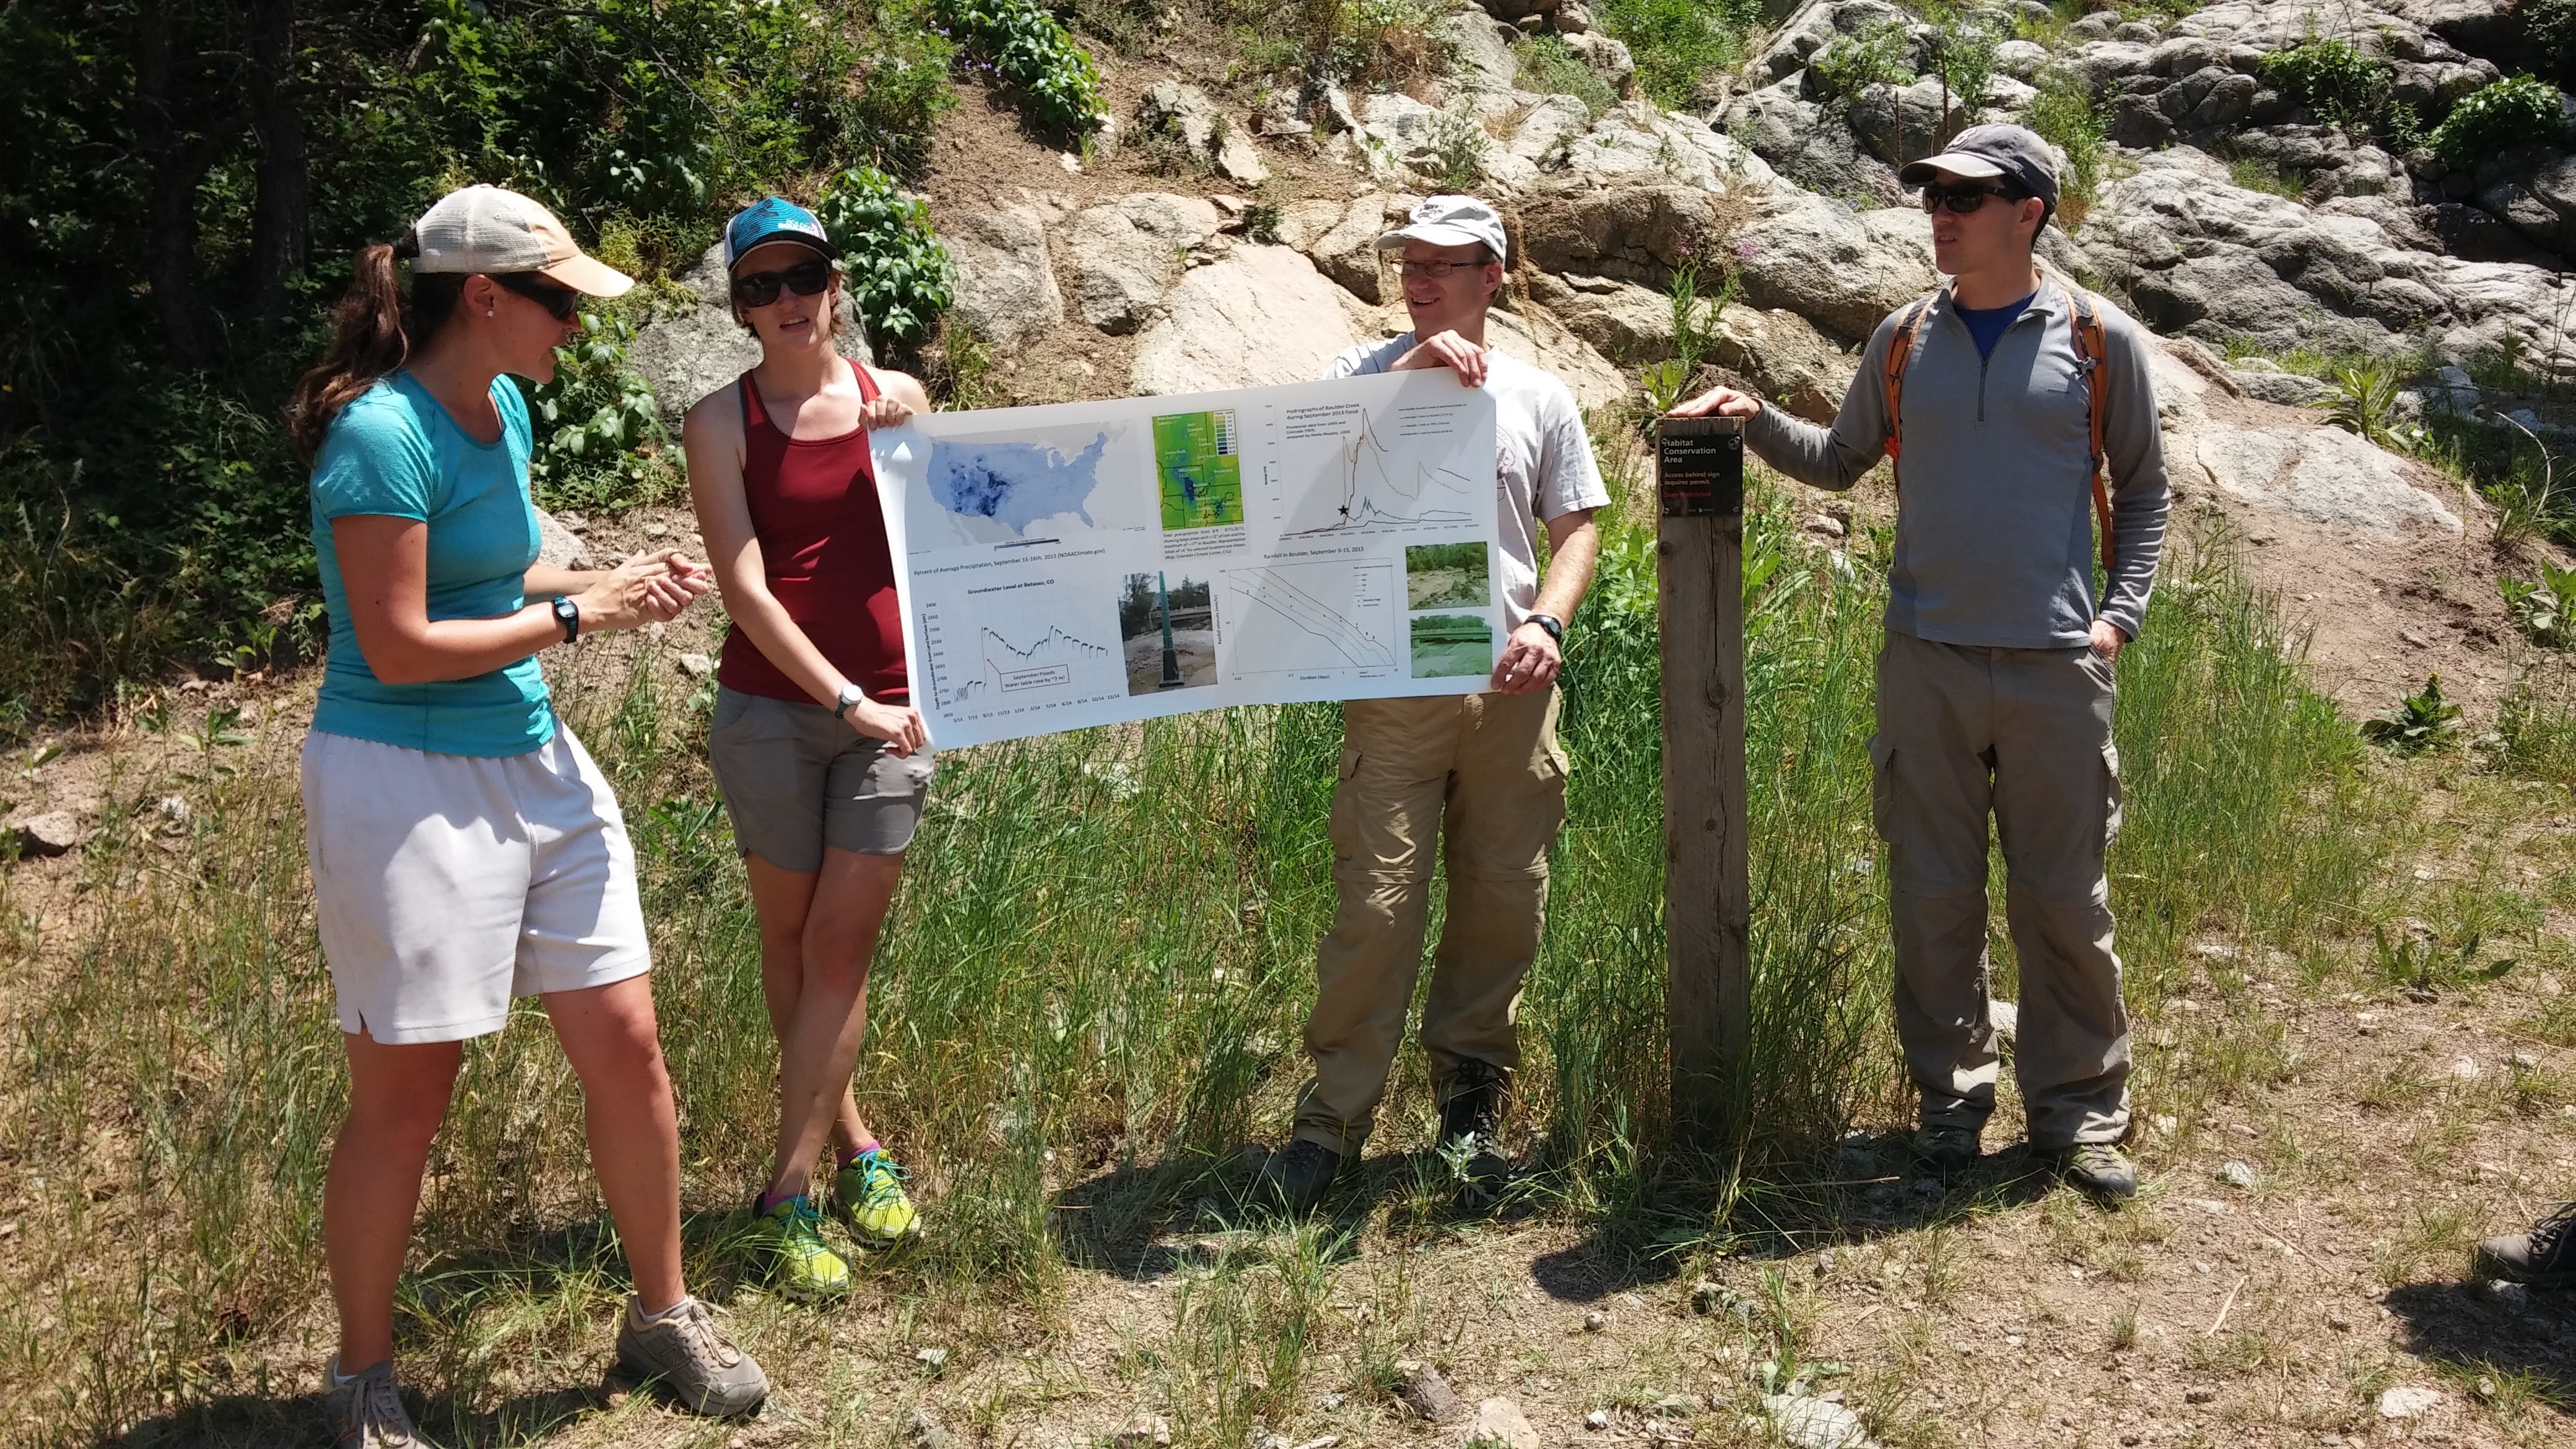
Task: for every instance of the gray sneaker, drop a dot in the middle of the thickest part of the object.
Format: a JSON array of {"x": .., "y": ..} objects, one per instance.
[
  {"x": 367, "y": 1411},
  {"x": 1944, "y": 1150},
  {"x": 688, "y": 1355},
  {"x": 2098, "y": 1169}
]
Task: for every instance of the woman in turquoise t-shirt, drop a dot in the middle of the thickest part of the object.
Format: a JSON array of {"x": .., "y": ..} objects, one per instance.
[{"x": 465, "y": 849}]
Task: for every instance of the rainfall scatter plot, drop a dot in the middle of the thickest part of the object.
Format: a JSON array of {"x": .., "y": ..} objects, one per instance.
[
  {"x": 993, "y": 491},
  {"x": 1301, "y": 618},
  {"x": 977, "y": 663},
  {"x": 1448, "y": 645},
  {"x": 1375, "y": 484},
  {"x": 1198, "y": 465}
]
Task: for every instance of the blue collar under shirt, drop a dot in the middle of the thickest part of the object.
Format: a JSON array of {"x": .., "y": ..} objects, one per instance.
[{"x": 1987, "y": 324}]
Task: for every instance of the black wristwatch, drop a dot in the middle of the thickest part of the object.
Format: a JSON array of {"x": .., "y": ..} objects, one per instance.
[
  {"x": 1554, "y": 626},
  {"x": 568, "y": 614}
]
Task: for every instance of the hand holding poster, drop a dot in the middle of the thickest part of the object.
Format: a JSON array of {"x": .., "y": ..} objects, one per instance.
[{"x": 1086, "y": 563}]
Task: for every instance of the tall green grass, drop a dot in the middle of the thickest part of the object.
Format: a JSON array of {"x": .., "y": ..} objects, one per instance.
[{"x": 1089, "y": 999}]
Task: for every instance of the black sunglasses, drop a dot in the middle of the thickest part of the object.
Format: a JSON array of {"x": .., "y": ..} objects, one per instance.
[
  {"x": 560, "y": 302},
  {"x": 1962, "y": 197},
  {"x": 805, "y": 279}
]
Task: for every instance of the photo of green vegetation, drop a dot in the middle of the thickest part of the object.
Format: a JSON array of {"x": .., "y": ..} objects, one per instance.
[
  {"x": 1447, "y": 576},
  {"x": 1199, "y": 469},
  {"x": 1448, "y": 645}
]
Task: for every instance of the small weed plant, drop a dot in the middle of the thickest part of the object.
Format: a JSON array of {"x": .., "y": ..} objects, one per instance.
[
  {"x": 1458, "y": 147},
  {"x": 2421, "y": 721},
  {"x": 1025, "y": 48},
  {"x": 2514, "y": 112},
  {"x": 2365, "y": 404},
  {"x": 2544, "y": 610},
  {"x": 896, "y": 270},
  {"x": 2424, "y": 965},
  {"x": 1963, "y": 55},
  {"x": 2063, "y": 113},
  {"x": 1880, "y": 53},
  {"x": 1548, "y": 67}
]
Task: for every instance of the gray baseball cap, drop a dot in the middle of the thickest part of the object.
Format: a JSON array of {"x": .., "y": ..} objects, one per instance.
[
  {"x": 2013, "y": 153},
  {"x": 1450, "y": 221}
]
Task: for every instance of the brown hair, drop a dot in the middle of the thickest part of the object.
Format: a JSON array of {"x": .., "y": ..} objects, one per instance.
[{"x": 374, "y": 331}]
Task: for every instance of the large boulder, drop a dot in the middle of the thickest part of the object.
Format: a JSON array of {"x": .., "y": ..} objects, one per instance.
[
  {"x": 1929, "y": 111},
  {"x": 1127, "y": 253},
  {"x": 1480, "y": 50},
  {"x": 2324, "y": 475},
  {"x": 1840, "y": 269},
  {"x": 1809, "y": 145},
  {"x": 1637, "y": 142},
  {"x": 1634, "y": 233},
  {"x": 1626, "y": 323},
  {"x": 695, "y": 350},
  {"x": 1816, "y": 26},
  {"x": 1786, "y": 360},
  {"x": 1006, "y": 285},
  {"x": 1261, "y": 315}
]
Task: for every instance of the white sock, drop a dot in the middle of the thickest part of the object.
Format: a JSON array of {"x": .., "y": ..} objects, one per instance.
[{"x": 685, "y": 1301}]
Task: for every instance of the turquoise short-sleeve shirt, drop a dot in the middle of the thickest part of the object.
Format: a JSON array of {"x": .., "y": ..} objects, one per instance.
[{"x": 395, "y": 451}]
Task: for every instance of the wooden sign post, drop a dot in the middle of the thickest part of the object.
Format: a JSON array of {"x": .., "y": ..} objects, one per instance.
[{"x": 1708, "y": 907}]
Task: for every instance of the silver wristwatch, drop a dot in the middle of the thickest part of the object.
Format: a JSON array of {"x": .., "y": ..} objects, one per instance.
[{"x": 850, "y": 694}]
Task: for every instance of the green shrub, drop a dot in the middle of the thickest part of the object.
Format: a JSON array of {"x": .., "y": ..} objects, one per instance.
[
  {"x": 1676, "y": 42},
  {"x": 1030, "y": 53},
  {"x": 2063, "y": 115},
  {"x": 2330, "y": 77},
  {"x": 2549, "y": 37},
  {"x": 903, "y": 90},
  {"x": 591, "y": 422},
  {"x": 895, "y": 269},
  {"x": 1881, "y": 54},
  {"x": 1550, "y": 69},
  {"x": 2515, "y": 111},
  {"x": 1964, "y": 57}
]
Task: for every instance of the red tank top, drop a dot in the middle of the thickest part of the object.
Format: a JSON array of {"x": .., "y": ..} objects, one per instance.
[{"x": 822, "y": 539}]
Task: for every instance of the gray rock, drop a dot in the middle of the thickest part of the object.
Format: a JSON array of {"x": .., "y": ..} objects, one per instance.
[
  {"x": 2324, "y": 475},
  {"x": 55, "y": 832},
  {"x": 1183, "y": 114},
  {"x": 1815, "y": 1423},
  {"x": 1347, "y": 250},
  {"x": 1815, "y": 27},
  {"x": 2290, "y": 389},
  {"x": 921, "y": 1431},
  {"x": 1630, "y": 324},
  {"x": 2237, "y": 1175},
  {"x": 1500, "y": 1424},
  {"x": 2021, "y": 59},
  {"x": 1929, "y": 112},
  {"x": 1787, "y": 360},
  {"x": 1480, "y": 50},
  {"x": 1809, "y": 146},
  {"x": 1843, "y": 271},
  {"x": 1608, "y": 58},
  {"x": 2006, "y": 1018},
  {"x": 687, "y": 356},
  {"x": 1128, "y": 252},
  {"x": 1428, "y": 1394},
  {"x": 559, "y": 547},
  {"x": 1261, "y": 315},
  {"x": 1573, "y": 19},
  {"x": 696, "y": 666},
  {"x": 1006, "y": 287}
]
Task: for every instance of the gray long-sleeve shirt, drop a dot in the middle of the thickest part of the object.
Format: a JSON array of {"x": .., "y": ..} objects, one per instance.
[{"x": 1994, "y": 525}]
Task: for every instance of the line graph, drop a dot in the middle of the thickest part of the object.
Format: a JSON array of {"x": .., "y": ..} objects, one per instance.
[
  {"x": 975, "y": 663},
  {"x": 1308, "y": 617},
  {"x": 1372, "y": 486}
]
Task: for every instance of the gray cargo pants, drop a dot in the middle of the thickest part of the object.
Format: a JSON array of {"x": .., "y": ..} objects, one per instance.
[{"x": 2025, "y": 734}]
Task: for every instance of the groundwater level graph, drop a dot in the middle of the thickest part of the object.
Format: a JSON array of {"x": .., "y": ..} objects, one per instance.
[
  {"x": 1373, "y": 486},
  {"x": 975, "y": 663},
  {"x": 1306, "y": 617}
]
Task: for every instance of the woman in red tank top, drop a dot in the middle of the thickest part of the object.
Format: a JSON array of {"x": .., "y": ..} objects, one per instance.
[{"x": 820, "y": 756}]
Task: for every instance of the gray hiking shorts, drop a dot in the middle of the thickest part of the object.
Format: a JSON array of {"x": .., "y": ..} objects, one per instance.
[{"x": 796, "y": 780}]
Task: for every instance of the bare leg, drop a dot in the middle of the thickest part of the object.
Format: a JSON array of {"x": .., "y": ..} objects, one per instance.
[
  {"x": 397, "y": 1097},
  {"x": 820, "y": 1010},
  {"x": 608, "y": 1034}
]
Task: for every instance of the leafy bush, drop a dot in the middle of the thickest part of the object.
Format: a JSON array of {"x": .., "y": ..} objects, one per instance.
[
  {"x": 1881, "y": 54},
  {"x": 903, "y": 91},
  {"x": 1459, "y": 144},
  {"x": 2330, "y": 77},
  {"x": 591, "y": 422},
  {"x": 1550, "y": 69},
  {"x": 895, "y": 269},
  {"x": 2063, "y": 115},
  {"x": 2549, "y": 37},
  {"x": 2420, "y": 722},
  {"x": 1963, "y": 55},
  {"x": 1028, "y": 51},
  {"x": 1676, "y": 42},
  {"x": 2515, "y": 111}
]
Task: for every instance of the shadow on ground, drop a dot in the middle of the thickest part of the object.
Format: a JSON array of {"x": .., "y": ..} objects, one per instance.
[{"x": 2506, "y": 1330}]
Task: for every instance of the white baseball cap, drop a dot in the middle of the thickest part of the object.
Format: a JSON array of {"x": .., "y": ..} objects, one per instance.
[
  {"x": 1450, "y": 221},
  {"x": 486, "y": 229}
]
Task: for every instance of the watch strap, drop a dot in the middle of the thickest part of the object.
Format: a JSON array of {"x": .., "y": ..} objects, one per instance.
[
  {"x": 1554, "y": 626},
  {"x": 851, "y": 695},
  {"x": 568, "y": 614}
]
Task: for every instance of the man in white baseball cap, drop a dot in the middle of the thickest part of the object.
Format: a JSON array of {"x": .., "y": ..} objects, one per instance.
[
  {"x": 1488, "y": 763},
  {"x": 501, "y": 233}
]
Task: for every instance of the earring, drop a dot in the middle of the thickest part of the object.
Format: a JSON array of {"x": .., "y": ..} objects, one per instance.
[{"x": 488, "y": 312}]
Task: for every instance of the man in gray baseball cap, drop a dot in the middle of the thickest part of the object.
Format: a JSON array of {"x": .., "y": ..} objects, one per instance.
[
  {"x": 1482, "y": 769},
  {"x": 2004, "y": 398}
]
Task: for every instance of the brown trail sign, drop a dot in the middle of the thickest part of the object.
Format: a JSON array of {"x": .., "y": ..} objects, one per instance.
[{"x": 1699, "y": 573}]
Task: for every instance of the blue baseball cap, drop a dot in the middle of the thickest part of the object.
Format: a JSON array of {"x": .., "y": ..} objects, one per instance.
[{"x": 774, "y": 218}]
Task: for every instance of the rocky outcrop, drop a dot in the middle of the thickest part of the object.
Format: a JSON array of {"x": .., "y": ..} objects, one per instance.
[
  {"x": 1128, "y": 252},
  {"x": 691, "y": 353},
  {"x": 1843, "y": 270},
  {"x": 2324, "y": 475},
  {"x": 1262, "y": 315},
  {"x": 1006, "y": 288},
  {"x": 1181, "y": 115}
]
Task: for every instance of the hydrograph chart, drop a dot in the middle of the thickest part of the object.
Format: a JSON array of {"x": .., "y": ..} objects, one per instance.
[
  {"x": 1375, "y": 478},
  {"x": 1304, "y": 617}
]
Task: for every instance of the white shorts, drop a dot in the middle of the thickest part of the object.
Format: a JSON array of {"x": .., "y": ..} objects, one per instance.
[{"x": 448, "y": 884}]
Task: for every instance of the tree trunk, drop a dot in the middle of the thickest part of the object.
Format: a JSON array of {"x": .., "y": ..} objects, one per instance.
[
  {"x": 281, "y": 232},
  {"x": 171, "y": 209}
]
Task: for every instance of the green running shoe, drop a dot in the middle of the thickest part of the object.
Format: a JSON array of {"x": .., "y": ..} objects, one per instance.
[
  {"x": 869, "y": 1192},
  {"x": 790, "y": 1236}
]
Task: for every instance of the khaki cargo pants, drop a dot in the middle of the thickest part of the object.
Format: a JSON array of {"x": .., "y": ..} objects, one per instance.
[
  {"x": 2026, "y": 735},
  {"x": 1482, "y": 771}
]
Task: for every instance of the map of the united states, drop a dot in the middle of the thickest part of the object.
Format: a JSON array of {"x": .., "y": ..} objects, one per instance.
[{"x": 1014, "y": 484}]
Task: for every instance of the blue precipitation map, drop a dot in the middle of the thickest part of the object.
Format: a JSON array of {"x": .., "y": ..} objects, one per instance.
[{"x": 1014, "y": 485}]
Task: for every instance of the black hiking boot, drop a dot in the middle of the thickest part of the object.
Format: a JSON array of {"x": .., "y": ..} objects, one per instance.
[
  {"x": 1470, "y": 1141},
  {"x": 1944, "y": 1150},
  {"x": 2545, "y": 1257},
  {"x": 1295, "y": 1180},
  {"x": 2098, "y": 1169}
]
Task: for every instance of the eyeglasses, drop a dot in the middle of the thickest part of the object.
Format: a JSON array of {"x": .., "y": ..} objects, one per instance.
[
  {"x": 1962, "y": 198},
  {"x": 560, "y": 302},
  {"x": 1436, "y": 271},
  {"x": 805, "y": 279}
]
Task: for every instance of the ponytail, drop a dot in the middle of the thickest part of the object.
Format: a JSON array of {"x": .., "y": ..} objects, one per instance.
[{"x": 374, "y": 331}]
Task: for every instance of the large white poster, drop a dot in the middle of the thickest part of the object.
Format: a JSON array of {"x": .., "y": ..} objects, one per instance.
[{"x": 1092, "y": 562}]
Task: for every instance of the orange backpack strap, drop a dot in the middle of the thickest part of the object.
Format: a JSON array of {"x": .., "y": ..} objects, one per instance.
[
  {"x": 2092, "y": 359},
  {"x": 1900, "y": 351}
]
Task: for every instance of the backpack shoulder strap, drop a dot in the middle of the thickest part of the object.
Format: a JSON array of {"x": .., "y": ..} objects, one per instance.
[
  {"x": 2093, "y": 360},
  {"x": 1900, "y": 351}
]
